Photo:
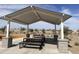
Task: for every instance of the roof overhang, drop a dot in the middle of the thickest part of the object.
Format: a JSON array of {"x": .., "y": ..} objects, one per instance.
[{"x": 33, "y": 14}]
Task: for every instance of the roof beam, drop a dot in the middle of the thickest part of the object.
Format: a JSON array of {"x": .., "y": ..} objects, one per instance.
[{"x": 34, "y": 11}]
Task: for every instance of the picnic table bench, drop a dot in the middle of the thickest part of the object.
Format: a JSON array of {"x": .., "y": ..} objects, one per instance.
[{"x": 32, "y": 42}]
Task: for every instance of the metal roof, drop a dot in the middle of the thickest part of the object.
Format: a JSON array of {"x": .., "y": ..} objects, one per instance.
[{"x": 33, "y": 14}]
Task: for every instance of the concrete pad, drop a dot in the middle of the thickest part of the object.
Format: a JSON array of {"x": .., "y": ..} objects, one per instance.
[{"x": 47, "y": 49}]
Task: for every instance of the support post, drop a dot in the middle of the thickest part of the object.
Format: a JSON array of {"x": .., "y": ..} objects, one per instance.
[
  {"x": 63, "y": 43},
  {"x": 55, "y": 35},
  {"x": 55, "y": 29},
  {"x": 62, "y": 29},
  {"x": 8, "y": 30},
  {"x": 28, "y": 35},
  {"x": 7, "y": 41},
  {"x": 28, "y": 29}
]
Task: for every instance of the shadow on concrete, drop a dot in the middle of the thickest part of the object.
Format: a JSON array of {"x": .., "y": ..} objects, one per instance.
[
  {"x": 14, "y": 45},
  {"x": 51, "y": 41},
  {"x": 33, "y": 47}
]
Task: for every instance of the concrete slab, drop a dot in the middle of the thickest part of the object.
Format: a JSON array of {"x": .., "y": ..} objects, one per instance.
[{"x": 47, "y": 49}]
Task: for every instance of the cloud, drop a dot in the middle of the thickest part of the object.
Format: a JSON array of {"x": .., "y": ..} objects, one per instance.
[
  {"x": 4, "y": 12},
  {"x": 73, "y": 23},
  {"x": 12, "y": 6},
  {"x": 9, "y": 8},
  {"x": 66, "y": 11},
  {"x": 76, "y": 15},
  {"x": 76, "y": 20}
]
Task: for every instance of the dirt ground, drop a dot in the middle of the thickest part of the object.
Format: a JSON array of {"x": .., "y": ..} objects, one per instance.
[{"x": 74, "y": 49}]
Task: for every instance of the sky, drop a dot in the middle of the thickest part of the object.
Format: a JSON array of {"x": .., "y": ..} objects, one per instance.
[{"x": 71, "y": 9}]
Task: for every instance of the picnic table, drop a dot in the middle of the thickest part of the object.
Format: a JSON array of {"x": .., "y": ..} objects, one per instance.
[{"x": 32, "y": 42}]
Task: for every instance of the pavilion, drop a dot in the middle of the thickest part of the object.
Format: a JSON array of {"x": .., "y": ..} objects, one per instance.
[{"x": 32, "y": 14}]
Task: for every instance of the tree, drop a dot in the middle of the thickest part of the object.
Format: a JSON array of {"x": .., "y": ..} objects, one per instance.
[
  {"x": 36, "y": 30},
  {"x": 31, "y": 30},
  {"x": 22, "y": 29},
  {"x": 66, "y": 30},
  {"x": 3, "y": 29},
  {"x": 43, "y": 30}
]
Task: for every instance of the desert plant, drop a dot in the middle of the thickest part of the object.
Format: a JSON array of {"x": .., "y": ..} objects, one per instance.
[
  {"x": 67, "y": 30},
  {"x": 3, "y": 29},
  {"x": 43, "y": 30},
  {"x": 31, "y": 30},
  {"x": 77, "y": 44},
  {"x": 22, "y": 29},
  {"x": 36, "y": 30}
]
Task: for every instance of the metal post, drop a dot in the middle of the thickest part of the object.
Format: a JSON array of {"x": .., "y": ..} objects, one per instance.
[
  {"x": 27, "y": 29},
  {"x": 8, "y": 29},
  {"x": 55, "y": 29},
  {"x": 7, "y": 41},
  {"x": 62, "y": 28}
]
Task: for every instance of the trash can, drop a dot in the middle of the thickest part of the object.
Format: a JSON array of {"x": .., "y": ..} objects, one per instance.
[
  {"x": 55, "y": 38},
  {"x": 6, "y": 42}
]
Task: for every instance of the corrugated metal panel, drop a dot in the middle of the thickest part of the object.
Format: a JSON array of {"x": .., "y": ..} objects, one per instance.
[{"x": 33, "y": 14}]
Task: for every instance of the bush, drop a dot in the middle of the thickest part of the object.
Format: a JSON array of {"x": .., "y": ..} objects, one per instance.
[
  {"x": 31, "y": 30},
  {"x": 77, "y": 44}
]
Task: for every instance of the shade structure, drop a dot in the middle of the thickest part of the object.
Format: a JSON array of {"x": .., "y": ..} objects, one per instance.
[{"x": 33, "y": 14}]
